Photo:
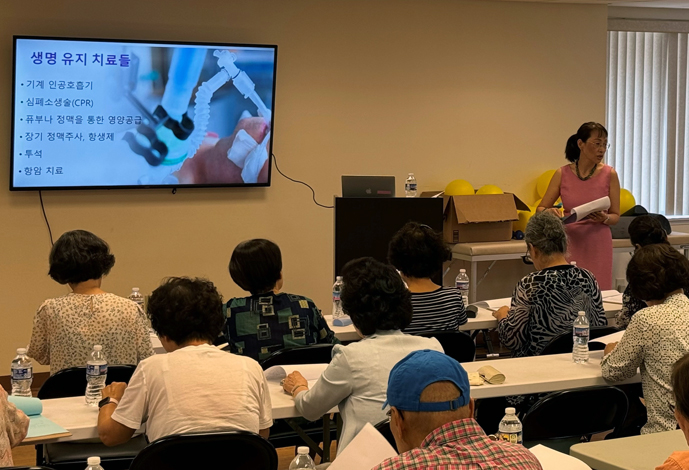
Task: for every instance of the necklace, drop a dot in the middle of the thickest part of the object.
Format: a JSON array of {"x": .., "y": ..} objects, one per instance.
[{"x": 576, "y": 170}]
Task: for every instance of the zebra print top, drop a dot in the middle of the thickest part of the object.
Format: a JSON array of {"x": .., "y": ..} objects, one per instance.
[
  {"x": 545, "y": 304},
  {"x": 439, "y": 310}
]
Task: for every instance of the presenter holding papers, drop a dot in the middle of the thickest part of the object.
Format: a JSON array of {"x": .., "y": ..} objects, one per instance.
[{"x": 587, "y": 180}]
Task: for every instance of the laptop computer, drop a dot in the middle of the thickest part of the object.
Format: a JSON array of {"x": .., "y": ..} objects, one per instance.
[{"x": 368, "y": 186}]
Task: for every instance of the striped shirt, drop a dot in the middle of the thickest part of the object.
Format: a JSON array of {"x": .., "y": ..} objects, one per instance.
[{"x": 439, "y": 310}]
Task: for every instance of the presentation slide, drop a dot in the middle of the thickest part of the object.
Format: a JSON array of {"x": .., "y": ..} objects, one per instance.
[{"x": 106, "y": 114}]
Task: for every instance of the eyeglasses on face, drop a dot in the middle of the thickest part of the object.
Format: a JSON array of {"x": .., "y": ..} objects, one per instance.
[
  {"x": 527, "y": 257},
  {"x": 599, "y": 145}
]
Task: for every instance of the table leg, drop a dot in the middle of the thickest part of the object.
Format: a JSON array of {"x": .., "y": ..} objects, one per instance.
[
  {"x": 313, "y": 445},
  {"x": 473, "y": 282},
  {"x": 326, "y": 439}
]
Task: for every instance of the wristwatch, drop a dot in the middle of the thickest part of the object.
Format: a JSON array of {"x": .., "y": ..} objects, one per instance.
[{"x": 107, "y": 401}]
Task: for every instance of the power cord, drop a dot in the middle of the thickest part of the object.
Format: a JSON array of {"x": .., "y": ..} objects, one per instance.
[
  {"x": 50, "y": 232},
  {"x": 300, "y": 182}
]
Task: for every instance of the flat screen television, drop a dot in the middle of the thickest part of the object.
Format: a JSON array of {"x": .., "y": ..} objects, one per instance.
[{"x": 104, "y": 114}]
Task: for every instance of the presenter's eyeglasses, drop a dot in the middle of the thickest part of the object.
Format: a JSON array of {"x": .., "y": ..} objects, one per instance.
[{"x": 600, "y": 145}]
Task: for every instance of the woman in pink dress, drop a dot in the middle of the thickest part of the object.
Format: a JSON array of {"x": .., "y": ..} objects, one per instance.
[{"x": 584, "y": 180}]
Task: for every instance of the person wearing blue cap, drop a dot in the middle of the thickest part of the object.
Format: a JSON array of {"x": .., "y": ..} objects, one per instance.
[{"x": 431, "y": 417}]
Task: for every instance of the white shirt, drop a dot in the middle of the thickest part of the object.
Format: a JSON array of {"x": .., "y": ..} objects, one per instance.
[
  {"x": 357, "y": 380},
  {"x": 196, "y": 389}
]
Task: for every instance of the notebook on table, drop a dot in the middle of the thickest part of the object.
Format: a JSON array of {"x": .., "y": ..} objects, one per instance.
[{"x": 40, "y": 427}]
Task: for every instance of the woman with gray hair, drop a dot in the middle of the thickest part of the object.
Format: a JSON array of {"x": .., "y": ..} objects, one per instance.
[{"x": 546, "y": 302}]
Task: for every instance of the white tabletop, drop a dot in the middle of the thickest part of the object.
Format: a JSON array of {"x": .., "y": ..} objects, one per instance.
[
  {"x": 522, "y": 375},
  {"x": 484, "y": 321},
  {"x": 644, "y": 452}
]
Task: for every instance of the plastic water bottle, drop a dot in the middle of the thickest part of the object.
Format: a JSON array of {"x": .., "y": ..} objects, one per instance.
[
  {"x": 302, "y": 460},
  {"x": 96, "y": 374},
  {"x": 137, "y": 298},
  {"x": 510, "y": 428},
  {"x": 462, "y": 284},
  {"x": 337, "y": 303},
  {"x": 410, "y": 186},
  {"x": 580, "y": 352},
  {"x": 22, "y": 374},
  {"x": 93, "y": 463}
]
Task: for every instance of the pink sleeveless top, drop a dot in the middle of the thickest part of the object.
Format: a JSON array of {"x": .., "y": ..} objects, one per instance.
[{"x": 590, "y": 243}]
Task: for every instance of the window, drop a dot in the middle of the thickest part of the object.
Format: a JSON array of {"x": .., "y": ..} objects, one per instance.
[{"x": 648, "y": 117}]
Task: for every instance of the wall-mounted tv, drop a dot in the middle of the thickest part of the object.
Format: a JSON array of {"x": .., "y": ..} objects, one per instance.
[{"x": 104, "y": 114}]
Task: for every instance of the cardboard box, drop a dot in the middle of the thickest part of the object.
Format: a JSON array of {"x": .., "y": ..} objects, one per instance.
[{"x": 479, "y": 218}]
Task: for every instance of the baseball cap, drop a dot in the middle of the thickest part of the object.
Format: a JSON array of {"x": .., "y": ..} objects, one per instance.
[{"x": 417, "y": 371}]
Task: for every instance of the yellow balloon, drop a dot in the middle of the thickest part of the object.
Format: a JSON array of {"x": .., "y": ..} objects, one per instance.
[
  {"x": 459, "y": 188},
  {"x": 627, "y": 201},
  {"x": 489, "y": 189},
  {"x": 543, "y": 182},
  {"x": 524, "y": 217}
]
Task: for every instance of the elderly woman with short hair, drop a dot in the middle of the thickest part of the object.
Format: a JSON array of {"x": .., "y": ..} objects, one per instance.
[
  {"x": 66, "y": 328},
  {"x": 379, "y": 304},
  {"x": 546, "y": 302}
]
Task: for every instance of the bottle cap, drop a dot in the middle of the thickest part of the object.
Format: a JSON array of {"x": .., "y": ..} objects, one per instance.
[
  {"x": 462, "y": 270},
  {"x": 510, "y": 411},
  {"x": 303, "y": 450},
  {"x": 135, "y": 289},
  {"x": 21, "y": 351},
  {"x": 97, "y": 347},
  {"x": 338, "y": 278},
  {"x": 582, "y": 313},
  {"x": 93, "y": 461}
]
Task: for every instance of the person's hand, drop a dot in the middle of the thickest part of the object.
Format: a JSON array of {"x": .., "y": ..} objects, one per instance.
[
  {"x": 294, "y": 380},
  {"x": 114, "y": 390},
  {"x": 600, "y": 217},
  {"x": 556, "y": 211},
  {"x": 501, "y": 313},
  {"x": 609, "y": 348},
  {"x": 210, "y": 165}
]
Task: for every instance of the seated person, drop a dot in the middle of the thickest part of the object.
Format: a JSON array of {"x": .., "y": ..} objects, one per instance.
[
  {"x": 66, "y": 328},
  {"x": 418, "y": 253},
  {"x": 680, "y": 391},
  {"x": 431, "y": 418},
  {"x": 195, "y": 387},
  {"x": 643, "y": 230},
  {"x": 268, "y": 321},
  {"x": 14, "y": 425},
  {"x": 546, "y": 302},
  {"x": 658, "y": 335},
  {"x": 379, "y": 304}
]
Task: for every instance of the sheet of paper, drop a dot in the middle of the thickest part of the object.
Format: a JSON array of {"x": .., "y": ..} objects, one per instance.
[
  {"x": 584, "y": 210},
  {"x": 29, "y": 405},
  {"x": 365, "y": 451},
  {"x": 553, "y": 460},
  {"x": 309, "y": 371},
  {"x": 613, "y": 338},
  {"x": 40, "y": 426},
  {"x": 494, "y": 304}
]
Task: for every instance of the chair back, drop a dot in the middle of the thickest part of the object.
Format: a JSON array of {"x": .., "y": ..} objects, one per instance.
[
  {"x": 236, "y": 450},
  {"x": 312, "y": 354},
  {"x": 575, "y": 413},
  {"x": 384, "y": 428},
  {"x": 456, "y": 344},
  {"x": 72, "y": 382},
  {"x": 563, "y": 343}
]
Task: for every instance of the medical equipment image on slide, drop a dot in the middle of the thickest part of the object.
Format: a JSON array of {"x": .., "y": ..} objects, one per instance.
[{"x": 111, "y": 114}]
